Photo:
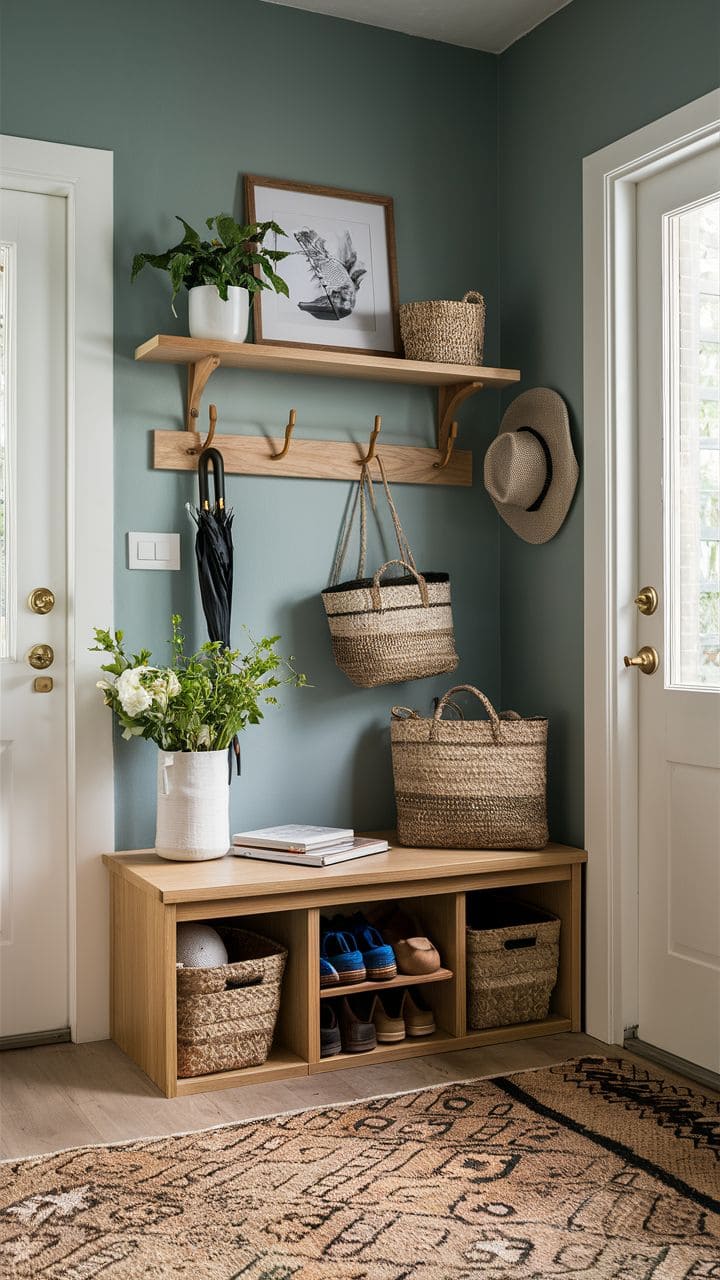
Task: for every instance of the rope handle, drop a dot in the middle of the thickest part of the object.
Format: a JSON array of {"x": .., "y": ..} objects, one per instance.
[
  {"x": 403, "y": 544},
  {"x": 493, "y": 716},
  {"x": 472, "y": 295},
  {"x": 364, "y": 487},
  {"x": 404, "y": 713},
  {"x": 454, "y": 706},
  {"x": 375, "y": 589}
]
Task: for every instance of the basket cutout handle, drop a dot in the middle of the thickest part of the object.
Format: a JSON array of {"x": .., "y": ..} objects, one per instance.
[
  {"x": 493, "y": 716},
  {"x": 515, "y": 944},
  {"x": 375, "y": 589},
  {"x": 237, "y": 984}
]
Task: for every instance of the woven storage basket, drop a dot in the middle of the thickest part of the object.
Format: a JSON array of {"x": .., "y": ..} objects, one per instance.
[
  {"x": 469, "y": 784},
  {"x": 444, "y": 332},
  {"x": 512, "y": 961},
  {"x": 384, "y": 632},
  {"x": 226, "y": 1015}
]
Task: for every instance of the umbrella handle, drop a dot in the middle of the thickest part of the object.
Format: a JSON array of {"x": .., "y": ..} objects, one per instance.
[{"x": 215, "y": 457}]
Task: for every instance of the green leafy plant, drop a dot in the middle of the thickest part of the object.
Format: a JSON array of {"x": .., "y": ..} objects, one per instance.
[
  {"x": 201, "y": 700},
  {"x": 235, "y": 256}
]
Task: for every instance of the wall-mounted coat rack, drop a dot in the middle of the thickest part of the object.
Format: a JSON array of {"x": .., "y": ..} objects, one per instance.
[{"x": 318, "y": 459}]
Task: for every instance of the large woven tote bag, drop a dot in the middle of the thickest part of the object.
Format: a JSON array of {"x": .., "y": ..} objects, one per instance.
[
  {"x": 470, "y": 784},
  {"x": 385, "y": 630}
]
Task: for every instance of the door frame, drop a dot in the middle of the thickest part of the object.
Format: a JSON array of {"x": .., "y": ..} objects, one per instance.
[
  {"x": 83, "y": 177},
  {"x": 610, "y": 179}
]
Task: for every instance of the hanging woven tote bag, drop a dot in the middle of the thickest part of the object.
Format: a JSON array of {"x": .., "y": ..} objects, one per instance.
[
  {"x": 388, "y": 629},
  {"x": 470, "y": 784}
]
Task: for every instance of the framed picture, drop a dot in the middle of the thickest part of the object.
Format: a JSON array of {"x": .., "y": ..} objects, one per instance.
[{"x": 341, "y": 270}]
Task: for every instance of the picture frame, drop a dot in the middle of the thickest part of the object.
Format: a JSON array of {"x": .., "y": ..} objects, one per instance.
[{"x": 341, "y": 270}]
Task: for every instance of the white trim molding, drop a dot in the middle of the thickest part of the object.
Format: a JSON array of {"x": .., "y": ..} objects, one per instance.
[
  {"x": 84, "y": 178},
  {"x": 610, "y": 179}
]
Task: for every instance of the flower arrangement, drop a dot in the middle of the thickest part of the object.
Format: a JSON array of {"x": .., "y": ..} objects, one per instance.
[{"x": 201, "y": 700}]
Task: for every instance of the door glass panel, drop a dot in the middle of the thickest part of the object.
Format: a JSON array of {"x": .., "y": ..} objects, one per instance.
[
  {"x": 692, "y": 506},
  {"x": 7, "y": 549}
]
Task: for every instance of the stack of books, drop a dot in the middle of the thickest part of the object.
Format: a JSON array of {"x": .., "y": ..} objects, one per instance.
[{"x": 305, "y": 846}]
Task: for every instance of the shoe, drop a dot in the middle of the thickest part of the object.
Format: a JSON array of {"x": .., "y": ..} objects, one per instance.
[
  {"x": 419, "y": 1020},
  {"x": 330, "y": 1042},
  {"x": 378, "y": 956},
  {"x": 329, "y": 976},
  {"x": 417, "y": 956},
  {"x": 357, "y": 1033},
  {"x": 386, "y": 1015},
  {"x": 340, "y": 950}
]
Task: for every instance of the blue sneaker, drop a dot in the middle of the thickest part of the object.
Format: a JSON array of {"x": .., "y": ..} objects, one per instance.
[
  {"x": 340, "y": 950},
  {"x": 378, "y": 956},
  {"x": 329, "y": 976}
]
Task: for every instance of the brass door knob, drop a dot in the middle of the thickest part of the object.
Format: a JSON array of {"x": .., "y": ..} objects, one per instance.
[
  {"x": 647, "y": 659},
  {"x": 41, "y": 600},
  {"x": 41, "y": 656},
  {"x": 647, "y": 600}
]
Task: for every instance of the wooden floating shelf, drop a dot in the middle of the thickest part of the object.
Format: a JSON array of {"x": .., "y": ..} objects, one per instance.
[
  {"x": 318, "y": 459},
  {"x": 402, "y": 980}
]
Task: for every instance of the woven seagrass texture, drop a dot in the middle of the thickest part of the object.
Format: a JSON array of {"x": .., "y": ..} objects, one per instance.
[
  {"x": 385, "y": 632},
  {"x": 469, "y": 784},
  {"x": 226, "y": 1015},
  {"x": 505, "y": 984},
  {"x": 444, "y": 332}
]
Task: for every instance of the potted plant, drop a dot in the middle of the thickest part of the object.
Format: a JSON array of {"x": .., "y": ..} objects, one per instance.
[
  {"x": 219, "y": 274},
  {"x": 191, "y": 709}
]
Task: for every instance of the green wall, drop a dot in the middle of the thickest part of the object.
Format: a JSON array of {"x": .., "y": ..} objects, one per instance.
[
  {"x": 594, "y": 72},
  {"x": 189, "y": 99}
]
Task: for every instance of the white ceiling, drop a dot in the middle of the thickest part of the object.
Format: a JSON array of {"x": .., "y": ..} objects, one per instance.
[{"x": 490, "y": 25}]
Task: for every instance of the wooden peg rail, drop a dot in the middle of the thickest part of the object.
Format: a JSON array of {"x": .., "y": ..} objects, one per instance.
[{"x": 320, "y": 459}]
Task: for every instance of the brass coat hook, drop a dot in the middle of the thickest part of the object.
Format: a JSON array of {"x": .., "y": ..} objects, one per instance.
[
  {"x": 450, "y": 445},
  {"x": 288, "y": 437},
  {"x": 210, "y": 434},
  {"x": 373, "y": 442}
]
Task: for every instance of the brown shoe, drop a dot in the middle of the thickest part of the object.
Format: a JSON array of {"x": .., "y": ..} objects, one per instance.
[
  {"x": 416, "y": 956},
  {"x": 357, "y": 1032},
  {"x": 419, "y": 1020},
  {"x": 386, "y": 1014}
]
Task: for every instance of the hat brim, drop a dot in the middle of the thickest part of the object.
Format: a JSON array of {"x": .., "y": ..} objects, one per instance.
[{"x": 545, "y": 412}]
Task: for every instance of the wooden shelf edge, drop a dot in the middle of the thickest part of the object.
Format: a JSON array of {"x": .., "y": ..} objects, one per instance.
[
  {"x": 402, "y": 980},
  {"x": 171, "y": 349},
  {"x": 281, "y": 1065}
]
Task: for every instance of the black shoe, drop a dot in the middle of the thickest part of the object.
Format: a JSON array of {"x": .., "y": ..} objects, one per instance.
[{"x": 330, "y": 1042}]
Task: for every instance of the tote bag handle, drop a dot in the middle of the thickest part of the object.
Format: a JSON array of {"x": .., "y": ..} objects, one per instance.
[
  {"x": 493, "y": 716},
  {"x": 366, "y": 490},
  {"x": 375, "y": 589}
]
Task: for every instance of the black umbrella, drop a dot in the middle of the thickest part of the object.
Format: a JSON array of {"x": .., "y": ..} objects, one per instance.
[{"x": 214, "y": 554}]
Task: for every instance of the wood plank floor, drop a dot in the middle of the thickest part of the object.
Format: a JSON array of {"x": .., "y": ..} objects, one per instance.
[{"x": 69, "y": 1095}]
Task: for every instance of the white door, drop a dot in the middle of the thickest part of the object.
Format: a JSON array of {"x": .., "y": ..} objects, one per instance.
[
  {"x": 678, "y": 214},
  {"x": 33, "y": 733}
]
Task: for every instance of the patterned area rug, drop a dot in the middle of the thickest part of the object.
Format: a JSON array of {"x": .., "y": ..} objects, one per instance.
[{"x": 591, "y": 1170}]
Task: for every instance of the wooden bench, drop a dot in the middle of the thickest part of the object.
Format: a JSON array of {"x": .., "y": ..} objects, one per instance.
[{"x": 149, "y": 896}]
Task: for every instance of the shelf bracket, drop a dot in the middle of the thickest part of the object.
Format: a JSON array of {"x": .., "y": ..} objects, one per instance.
[
  {"x": 449, "y": 400},
  {"x": 198, "y": 374}
]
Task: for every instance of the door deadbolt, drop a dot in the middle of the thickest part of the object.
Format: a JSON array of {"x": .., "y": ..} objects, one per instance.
[
  {"x": 41, "y": 600},
  {"x": 41, "y": 656},
  {"x": 647, "y": 601},
  {"x": 646, "y": 659}
]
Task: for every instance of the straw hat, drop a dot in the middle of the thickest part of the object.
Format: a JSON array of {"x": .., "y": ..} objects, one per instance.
[{"x": 530, "y": 469}]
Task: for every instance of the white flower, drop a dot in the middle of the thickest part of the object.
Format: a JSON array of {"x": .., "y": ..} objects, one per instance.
[
  {"x": 173, "y": 685},
  {"x": 203, "y": 738},
  {"x": 165, "y": 686},
  {"x": 134, "y": 698},
  {"x": 103, "y": 684}
]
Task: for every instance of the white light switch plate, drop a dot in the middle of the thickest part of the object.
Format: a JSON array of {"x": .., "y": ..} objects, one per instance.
[{"x": 153, "y": 550}]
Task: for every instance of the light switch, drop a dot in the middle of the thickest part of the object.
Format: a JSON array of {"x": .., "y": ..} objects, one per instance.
[{"x": 153, "y": 550}]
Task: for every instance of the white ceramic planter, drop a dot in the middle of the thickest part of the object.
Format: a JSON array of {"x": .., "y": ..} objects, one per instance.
[
  {"x": 210, "y": 317},
  {"x": 193, "y": 800}
]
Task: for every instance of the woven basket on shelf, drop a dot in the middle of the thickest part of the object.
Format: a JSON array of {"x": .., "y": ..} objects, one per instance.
[
  {"x": 512, "y": 961},
  {"x": 444, "y": 332},
  {"x": 384, "y": 632},
  {"x": 226, "y": 1015},
  {"x": 469, "y": 784}
]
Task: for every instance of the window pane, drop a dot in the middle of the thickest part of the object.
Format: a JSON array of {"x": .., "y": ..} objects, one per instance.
[{"x": 693, "y": 510}]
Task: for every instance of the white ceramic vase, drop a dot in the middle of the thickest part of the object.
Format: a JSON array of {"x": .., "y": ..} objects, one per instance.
[
  {"x": 211, "y": 317},
  {"x": 193, "y": 802}
]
